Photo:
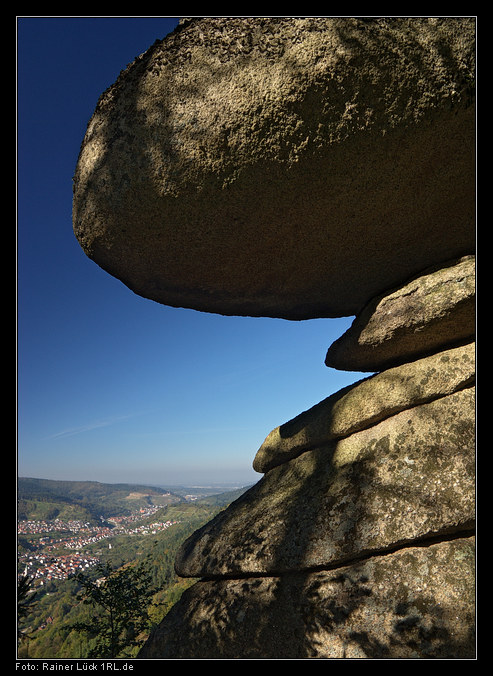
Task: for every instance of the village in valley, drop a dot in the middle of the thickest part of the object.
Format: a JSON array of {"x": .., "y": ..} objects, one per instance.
[{"x": 57, "y": 546}]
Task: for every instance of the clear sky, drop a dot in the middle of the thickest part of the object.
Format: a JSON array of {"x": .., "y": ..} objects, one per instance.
[{"x": 110, "y": 386}]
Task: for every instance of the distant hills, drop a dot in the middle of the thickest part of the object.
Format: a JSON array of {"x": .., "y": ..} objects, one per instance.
[
  {"x": 51, "y": 499},
  {"x": 51, "y": 618},
  {"x": 48, "y": 499}
]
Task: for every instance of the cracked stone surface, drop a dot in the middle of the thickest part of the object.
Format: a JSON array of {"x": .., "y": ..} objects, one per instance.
[
  {"x": 409, "y": 477},
  {"x": 417, "y": 602},
  {"x": 368, "y": 402}
]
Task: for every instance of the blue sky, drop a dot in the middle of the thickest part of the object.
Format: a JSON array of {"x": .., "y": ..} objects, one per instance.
[{"x": 110, "y": 386}]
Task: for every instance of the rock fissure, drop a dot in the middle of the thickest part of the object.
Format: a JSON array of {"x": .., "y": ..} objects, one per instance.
[
  {"x": 468, "y": 384},
  {"x": 357, "y": 407},
  {"x": 465, "y": 531}
]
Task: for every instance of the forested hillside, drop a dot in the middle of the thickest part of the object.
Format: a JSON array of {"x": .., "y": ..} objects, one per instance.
[
  {"x": 48, "y": 624},
  {"x": 95, "y": 498}
]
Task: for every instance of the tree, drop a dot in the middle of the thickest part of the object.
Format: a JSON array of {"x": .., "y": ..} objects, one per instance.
[
  {"x": 25, "y": 601},
  {"x": 121, "y": 598}
]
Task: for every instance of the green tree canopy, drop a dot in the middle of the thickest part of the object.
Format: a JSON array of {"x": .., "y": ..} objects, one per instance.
[
  {"x": 121, "y": 599},
  {"x": 25, "y": 601}
]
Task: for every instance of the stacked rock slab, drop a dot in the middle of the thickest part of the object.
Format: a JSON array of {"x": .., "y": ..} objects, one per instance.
[
  {"x": 304, "y": 168},
  {"x": 358, "y": 542}
]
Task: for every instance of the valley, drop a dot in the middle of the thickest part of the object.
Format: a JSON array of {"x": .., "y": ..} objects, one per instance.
[{"x": 92, "y": 524}]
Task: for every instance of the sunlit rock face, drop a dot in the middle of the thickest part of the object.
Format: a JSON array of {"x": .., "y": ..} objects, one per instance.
[{"x": 283, "y": 167}]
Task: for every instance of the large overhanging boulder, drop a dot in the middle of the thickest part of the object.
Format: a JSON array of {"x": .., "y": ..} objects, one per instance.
[{"x": 283, "y": 167}]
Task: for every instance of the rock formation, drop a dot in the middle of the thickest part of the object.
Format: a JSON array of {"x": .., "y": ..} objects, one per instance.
[
  {"x": 283, "y": 167},
  {"x": 317, "y": 167},
  {"x": 359, "y": 539}
]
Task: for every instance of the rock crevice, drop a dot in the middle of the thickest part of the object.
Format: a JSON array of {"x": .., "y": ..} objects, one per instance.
[{"x": 459, "y": 531}]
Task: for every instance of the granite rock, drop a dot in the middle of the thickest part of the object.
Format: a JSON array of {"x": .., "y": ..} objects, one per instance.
[
  {"x": 367, "y": 402},
  {"x": 435, "y": 310},
  {"x": 414, "y": 603},
  {"x": 283, "y": 167},
  {"x": 408, "y": 478}
]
